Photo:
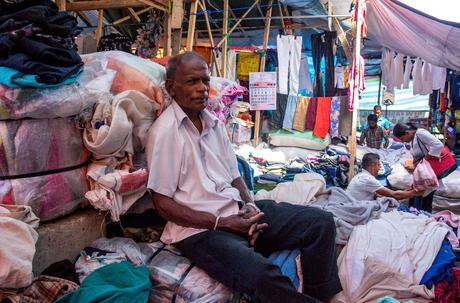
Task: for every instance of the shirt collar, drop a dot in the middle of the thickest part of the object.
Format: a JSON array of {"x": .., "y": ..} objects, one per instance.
[{"x": 209, "y": 120}]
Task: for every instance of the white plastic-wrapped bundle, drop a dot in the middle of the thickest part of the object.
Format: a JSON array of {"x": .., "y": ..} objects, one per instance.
[{"x": 450, "y": 186}]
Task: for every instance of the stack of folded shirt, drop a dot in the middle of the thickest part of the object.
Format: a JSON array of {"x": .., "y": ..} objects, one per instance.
[{"x": 37, "y": 45}]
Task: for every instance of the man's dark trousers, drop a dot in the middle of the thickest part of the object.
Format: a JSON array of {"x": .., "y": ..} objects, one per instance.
[{"x": 227, "y": 257}]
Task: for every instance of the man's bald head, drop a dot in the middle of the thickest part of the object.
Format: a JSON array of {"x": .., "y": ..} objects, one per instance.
[{"x": 178, "y": 60}]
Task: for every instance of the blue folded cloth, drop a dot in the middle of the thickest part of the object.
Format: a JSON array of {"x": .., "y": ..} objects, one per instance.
[{"x": 15, "y": 79}]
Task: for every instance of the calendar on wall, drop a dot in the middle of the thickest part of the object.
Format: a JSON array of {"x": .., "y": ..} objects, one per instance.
[{"x": 262, "y": 91}]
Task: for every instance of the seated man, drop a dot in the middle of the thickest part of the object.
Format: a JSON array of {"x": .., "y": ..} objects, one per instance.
[
  {"x": 212, "y": 218},
  {"x": 365, "y": 187},
  {"x": 374, "y": 134}
]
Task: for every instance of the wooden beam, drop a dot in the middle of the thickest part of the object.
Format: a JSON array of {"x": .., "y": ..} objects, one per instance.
[
  {"x": 103, "y": 4},
  {"x": 168, "y": 32},
  {"x": 176, "y": 41},
  {"x": 202, "y": 4},
  {"x": 132, "y": 14},
  {"x": 355, "y": 88},
  {"x": 61, "y": 4},
  {"x": 262, "y": 65},
  {"x": 240, "y": 28},
  {"x": 282, "y": 17},
  {"x": 100, "y": 19},
  {"x": 237, "y": 22},
  {"x": 343, "y": 39},
  {"x": 85, "y": 18},
  {"x": 225, "y": 40},
  {"x": 153, "y": 4},
  {"x": 140, "y": 12},
  {"x": 191, "y": 25},
  {"x": 177, "y": 14}
]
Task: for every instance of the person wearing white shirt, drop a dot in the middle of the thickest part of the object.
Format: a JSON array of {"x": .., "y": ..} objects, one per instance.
[
  {"x": 212, "y": 218},
  {"x": 365, "y": 187}
]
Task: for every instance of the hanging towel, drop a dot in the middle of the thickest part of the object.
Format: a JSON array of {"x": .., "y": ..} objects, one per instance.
[
  {"x": 323, "y": 117},
  {"x": 417, "y": 76},
  {"x": 311, "y": 114},
  {"x": 335, "y": 115},
  {"x": 300, "y": 115},
  {"x": 398, "y": 69},
  {"x": 407, "y": 72},
  {"x": 427, "y": 82},
  {"x": 289, "y": 114}
]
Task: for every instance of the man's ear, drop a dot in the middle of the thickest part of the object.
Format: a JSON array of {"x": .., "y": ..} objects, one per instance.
[{"x": 169, "y": 85}]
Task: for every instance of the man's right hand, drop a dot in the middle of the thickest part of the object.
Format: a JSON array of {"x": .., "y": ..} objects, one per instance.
[{"x": 241, "y": 225}]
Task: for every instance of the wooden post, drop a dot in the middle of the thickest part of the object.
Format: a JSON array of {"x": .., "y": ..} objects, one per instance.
[
  {"x": 223, "y": 66},
  {"x": 211, "y": 39},
  {"x": 85, "y": 18},
  {"x": 100, "y": 19},
  {"x": 121, "y": 20},
  {"x": 61, "y": 4},
  {"x": 262, "y": 65},
  {"x": 191, "y": 25},
  {"x": 224, "y": 37},
  {"x": 167, "y": 46},
  {"x": 132, "y": 14},
  {"x": 356, "y": 56}
]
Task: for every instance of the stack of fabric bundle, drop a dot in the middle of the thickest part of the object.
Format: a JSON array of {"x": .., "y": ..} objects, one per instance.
[{"x": 37, "y": 46}]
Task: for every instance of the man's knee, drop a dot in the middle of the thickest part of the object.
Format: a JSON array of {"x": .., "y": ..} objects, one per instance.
[{"x": 264, "y": 273}]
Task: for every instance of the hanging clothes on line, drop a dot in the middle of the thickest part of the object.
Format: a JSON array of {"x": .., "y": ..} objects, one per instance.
[
  {"x": 439, "y": 75},
  {"x": 417, "y": 76},
  {"x": 231, "y": 65},
  {"x": 323, "y": 116},
  {"x": 407, "y": 72},
  {"x": 247, "y": 63},
  {"x": 289, "y": 113},
  {"x": 311, "y": 114},
  {"x": 398, "y": 69},
  {"x": 427, "y": 81},
  {"x": 290, "y": 48},
  {"x": 386, "y": 65},
  {"x": 341, "y": 77},
  {"x": 323, "y": 44},
  {"x": 305, "y": 84},
  {"x": 300, "y": 116}
]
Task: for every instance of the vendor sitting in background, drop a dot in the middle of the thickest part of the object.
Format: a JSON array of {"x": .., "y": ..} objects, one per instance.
[
  {"x": 374, "y": 135},
  {"x": 365, "y": 187}
]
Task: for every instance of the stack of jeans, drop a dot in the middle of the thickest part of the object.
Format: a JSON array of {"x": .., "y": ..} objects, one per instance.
[{"x": 37, "y": 45}]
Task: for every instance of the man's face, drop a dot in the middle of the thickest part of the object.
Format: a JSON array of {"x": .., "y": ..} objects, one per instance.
[
  {"x": 374, "y": 168},
  {"x": 378, "y": 112},
  {"x": 372, "y": 124},
  {"x": 190, "y": 86}
]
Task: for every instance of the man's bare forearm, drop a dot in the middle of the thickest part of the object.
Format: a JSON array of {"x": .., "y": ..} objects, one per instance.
[{"x": 245, "y": 194}]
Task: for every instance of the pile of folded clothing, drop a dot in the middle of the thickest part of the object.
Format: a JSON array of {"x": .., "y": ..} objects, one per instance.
[{"x": 36, "y": 45}]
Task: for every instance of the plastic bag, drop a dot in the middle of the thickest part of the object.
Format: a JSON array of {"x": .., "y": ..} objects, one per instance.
[{"x": 424, "y": 177}]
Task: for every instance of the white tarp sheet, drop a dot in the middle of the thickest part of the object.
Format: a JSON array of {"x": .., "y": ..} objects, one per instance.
[{"x": 414, "y": 34}]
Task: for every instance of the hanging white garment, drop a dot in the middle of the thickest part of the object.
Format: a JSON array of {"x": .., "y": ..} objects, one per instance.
[
  {"x": 339, "y": 77},
  {"x": 282, "y": 46},
  {"x": 304, "y": 76},
  {"x": 407, "y": 72},
  {"x": 438, "y": 75},
  {"x": 289, "y": 56},
  {"x": 417, "y": 77},
  {"x": 427, "y": 82},
  {"x": 398, "y": 70},
  {"x": 231, "y": 65},
  {"x": 386, "y": 66}
]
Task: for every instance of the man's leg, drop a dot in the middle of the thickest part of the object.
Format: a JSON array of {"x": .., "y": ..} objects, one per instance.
[
  {"x": 313, "y": 232},
  {"x": 228, "y": 259}
]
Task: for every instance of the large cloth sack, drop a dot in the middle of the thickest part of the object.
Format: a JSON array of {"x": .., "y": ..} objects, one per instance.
[
  {"x": 50, "y": 196},
  {"x": 40, "y": 145},
  {"x": 400, "y": 178},
  {"x": 298, "y": 139},
  {"x": 132, "y": 73},
  {"x": 450, "y": 186},
  {"x": 17, "y": 245},
  {"x": 64, "y": 101},
  {"x": 174, "y": 277}
]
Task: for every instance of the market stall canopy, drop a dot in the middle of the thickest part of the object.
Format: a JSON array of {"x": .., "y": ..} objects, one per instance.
[{"x": 401, "y": 28}]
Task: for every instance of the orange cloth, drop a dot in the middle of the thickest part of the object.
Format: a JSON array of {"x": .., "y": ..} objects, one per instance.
[{"x": 323, "y": 117}]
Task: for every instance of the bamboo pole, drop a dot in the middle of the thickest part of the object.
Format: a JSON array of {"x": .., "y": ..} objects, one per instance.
[
  {"x": 85, "y": 18},
  {"x": 191, "y": 25},
  {"x": 356, "y": 56},
  {"x": 100, "y": 19},
  {"x": 225, "y": 40},
  {"x": 103, "y": 4},
  {"x": 224, "y": 37},
  {"x": 211, "y": 38},
  {"x": 132, "y": 14},
  {"x": 262, "y": 66}
]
